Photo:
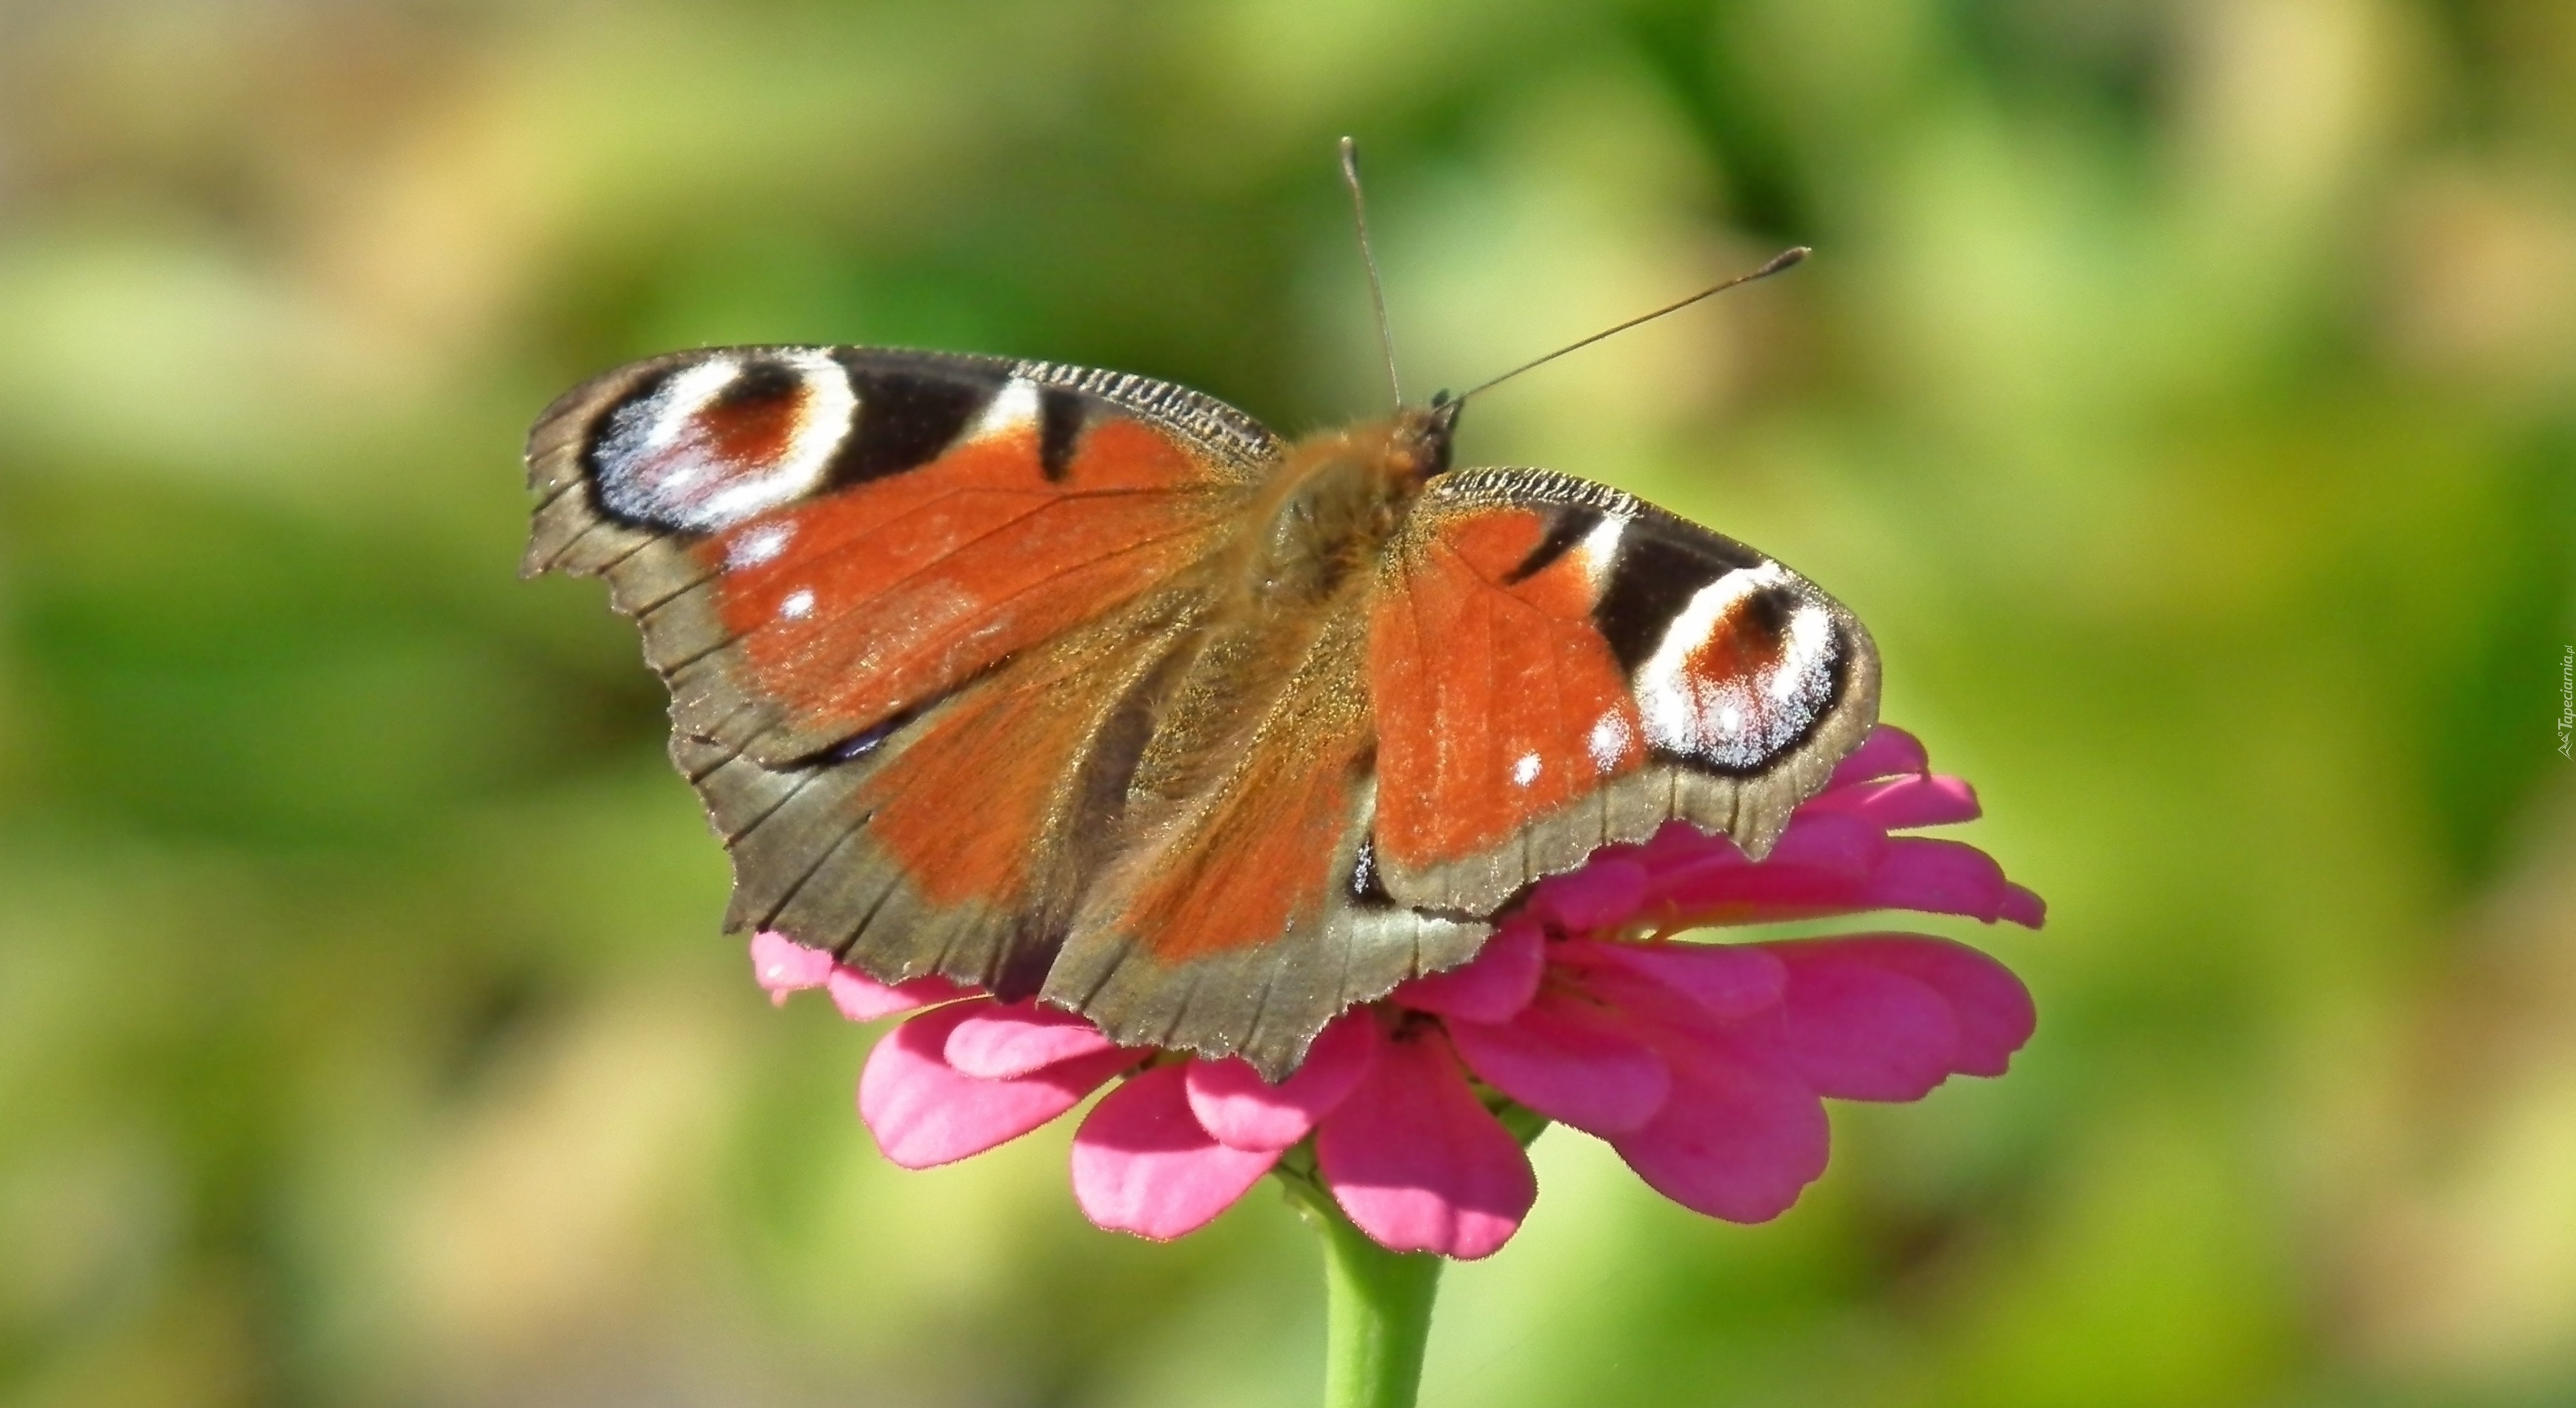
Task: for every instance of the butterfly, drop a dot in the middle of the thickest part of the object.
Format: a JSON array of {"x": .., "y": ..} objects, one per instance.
[{"x": 1081, "y": 685}]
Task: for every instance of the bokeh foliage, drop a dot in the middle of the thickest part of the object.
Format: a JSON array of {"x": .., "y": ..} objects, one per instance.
[{"x": 2185, "y": 391}]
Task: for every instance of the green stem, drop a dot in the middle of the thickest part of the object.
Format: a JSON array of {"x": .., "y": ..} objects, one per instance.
[{"x": 1377, "y": 1309}]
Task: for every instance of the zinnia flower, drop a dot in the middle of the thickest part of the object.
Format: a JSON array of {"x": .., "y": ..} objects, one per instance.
[{"x": 1704, "y": 1065}]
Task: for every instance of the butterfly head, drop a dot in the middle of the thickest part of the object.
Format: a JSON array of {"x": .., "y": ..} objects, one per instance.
[{"x": 1424, "y": 438}]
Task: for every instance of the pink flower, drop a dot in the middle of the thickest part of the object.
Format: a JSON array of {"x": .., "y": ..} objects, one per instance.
[{"x": 1703, "y": 1065}]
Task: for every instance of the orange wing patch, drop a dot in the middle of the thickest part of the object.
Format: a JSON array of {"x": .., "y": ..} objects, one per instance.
[
  {"x": 1268, "y": 821},
  {"x": 1497, "y": 699},
  {"x": 1258, "y": 869},
  {"x": 966, "y": 807},
  {"x": 980, "y": 801},
  {"x": 870, "y": 601}
]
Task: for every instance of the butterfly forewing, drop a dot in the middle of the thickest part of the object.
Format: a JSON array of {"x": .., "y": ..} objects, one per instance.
[
  {"x": 1557, "y": 666},
  {"x": 817, "y": 539},
  {"x": 901, "y": 600}
]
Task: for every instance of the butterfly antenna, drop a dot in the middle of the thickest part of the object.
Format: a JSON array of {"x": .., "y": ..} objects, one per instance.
[
  {"x": 1784, "y": 259},
  {"x": 1368, "y": 256}
]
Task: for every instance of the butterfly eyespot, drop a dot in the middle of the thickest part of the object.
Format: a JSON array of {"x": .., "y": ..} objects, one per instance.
[
  {"x": 1741, "y": 673},
  {"x": 723, "y": 440}
]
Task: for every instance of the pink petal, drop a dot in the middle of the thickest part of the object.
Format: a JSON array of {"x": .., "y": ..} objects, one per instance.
[
  {"x": 1910, "y": 872},
  {"x": 1674, "y": 838},
  {"x": 1141, "y": 1163},
  {"x": 1887, "y": 751},
  {"x": 1726, "y": 981},
  {"x": 923, "y": 1112},
  {"x": 1858, "y": 1030},
  {"x": 1738, "y": 1138},
  {"x": 1000, "y": 1043},
  {"x": 782, "y": 965},
  {"x": 1605, "y": 893},
  {"x": 1820, "y": 861},
  {"x": 864, "y": 999},
  {"x": 1570, "y": 1060},
  {"x": 1241, "y": 1110},
  {"x": 2023, "y": 907},
  {"x": 1991, "y": 1007},
  {"x": 1830, "y": 841},
  {"x": 1936, "y": 877},
  {"x": 1899, "y": 802},
  {"x": 1675, "y": 842},
  {"x": 1762, "y": 894},
  {"x": 1418, "y": 1162},
  {"x": 1490, "y": 987}
]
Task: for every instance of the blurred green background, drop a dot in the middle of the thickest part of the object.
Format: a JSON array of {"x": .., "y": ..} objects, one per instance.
[{"x": 2185, "y": 391}]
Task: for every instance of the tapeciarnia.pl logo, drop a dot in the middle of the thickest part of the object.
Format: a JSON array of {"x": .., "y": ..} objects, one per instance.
[{"x": 2566, "y": 700}]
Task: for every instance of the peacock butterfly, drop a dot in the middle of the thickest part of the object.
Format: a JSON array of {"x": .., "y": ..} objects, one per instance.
[{"x": 1078, "y": 684}]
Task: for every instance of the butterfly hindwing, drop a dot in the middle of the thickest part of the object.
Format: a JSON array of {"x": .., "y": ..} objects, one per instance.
[
  {"x": 1556, "y": 666},
  {"x": 1247, "y": 913},
  {"x": 958, "y": 842}
]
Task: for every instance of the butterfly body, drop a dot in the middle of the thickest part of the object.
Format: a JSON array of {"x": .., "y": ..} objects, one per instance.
[{"x": 1078, "y": 684}]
